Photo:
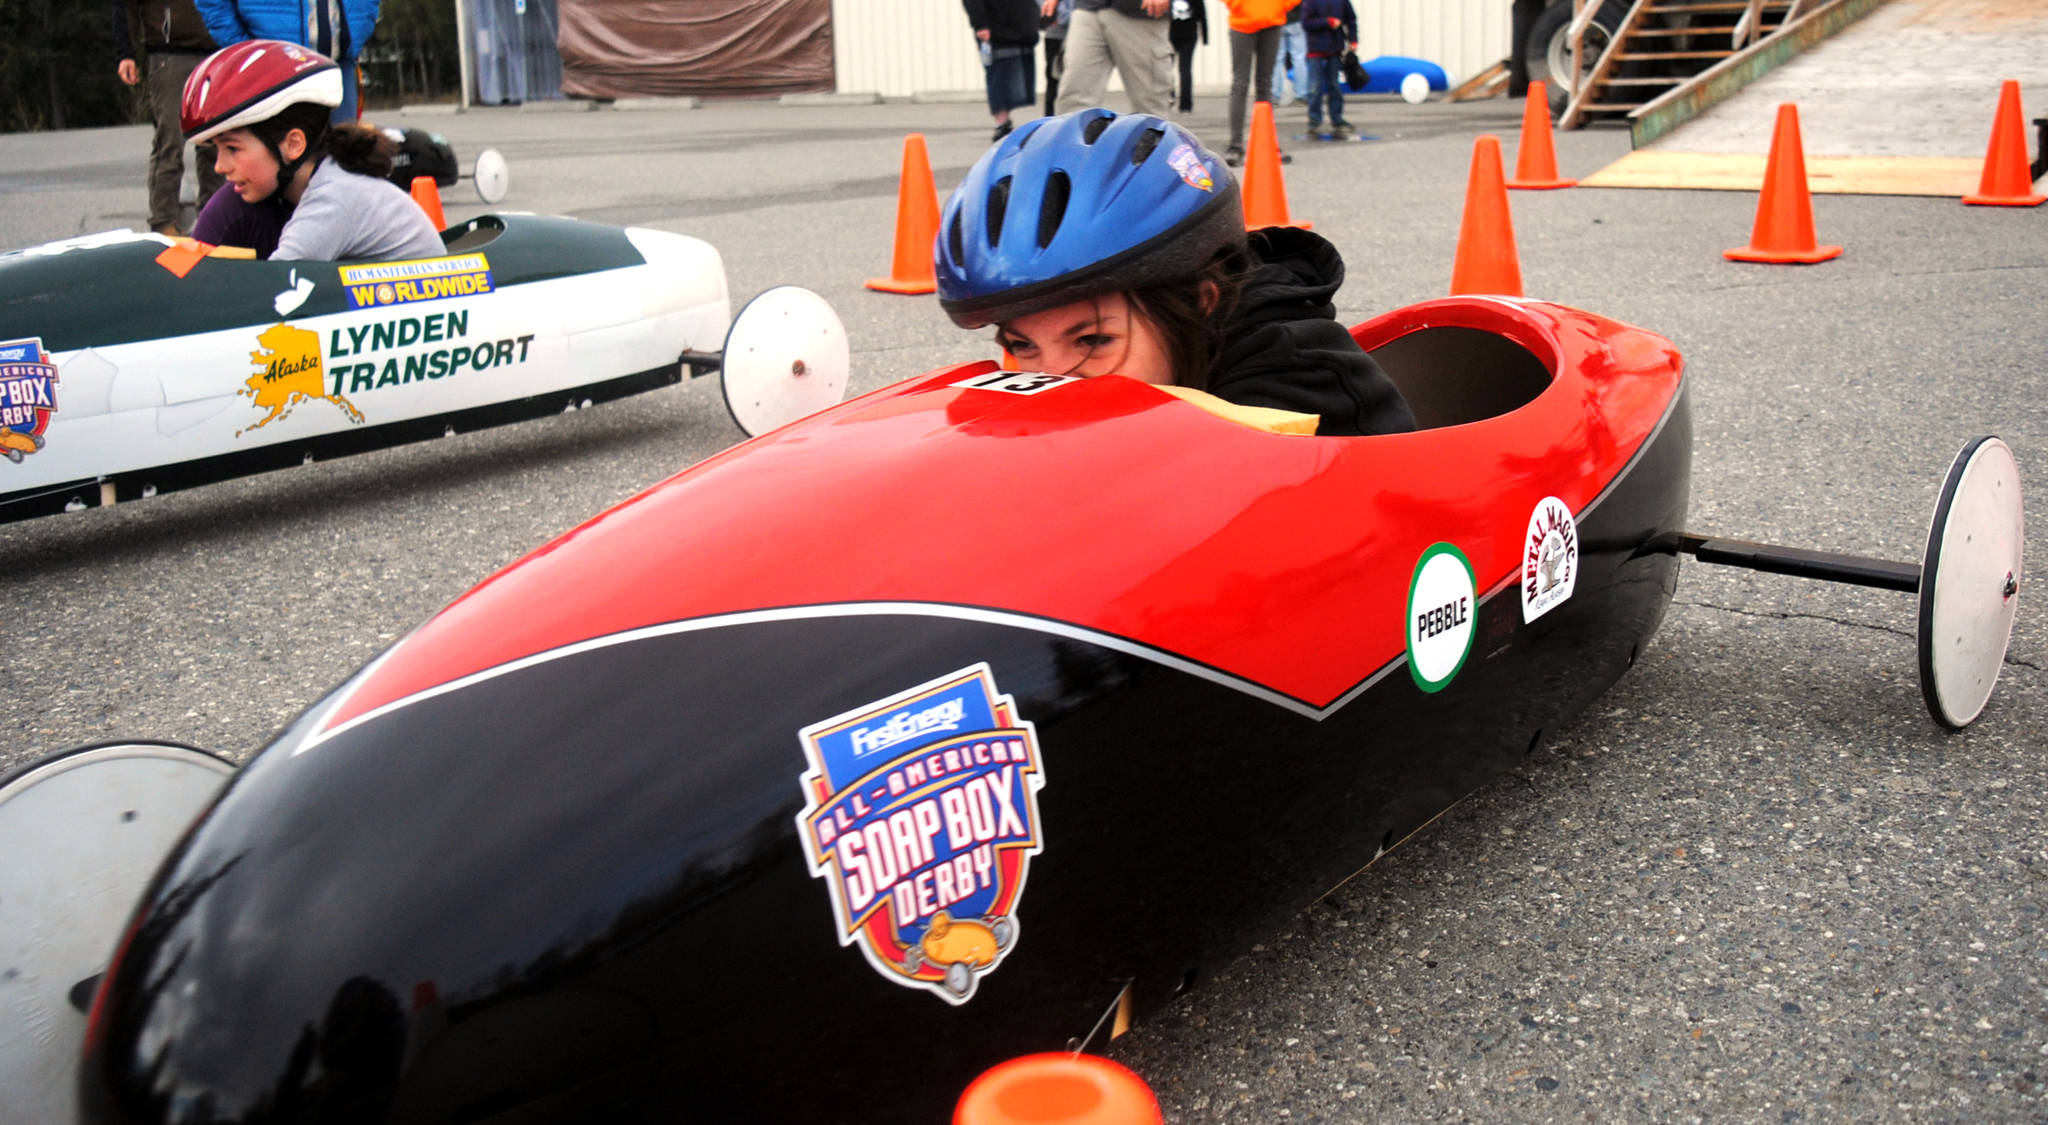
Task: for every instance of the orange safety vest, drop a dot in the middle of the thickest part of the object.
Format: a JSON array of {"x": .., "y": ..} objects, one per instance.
[{"x": 1257, "y": 15}]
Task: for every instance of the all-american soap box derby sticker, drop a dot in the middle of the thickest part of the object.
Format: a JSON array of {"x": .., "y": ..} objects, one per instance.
[
  {"x": 1550, "y": 558},
  {"x": 921, "y": 815},
  {"x": 1188, "y": 163},
  {"x": 424, "y": 279},
  {"x": 28, "y": 396}
]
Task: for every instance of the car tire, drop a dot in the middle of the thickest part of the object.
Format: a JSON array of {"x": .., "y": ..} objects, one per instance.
[{"x": 1548, "y": 52}]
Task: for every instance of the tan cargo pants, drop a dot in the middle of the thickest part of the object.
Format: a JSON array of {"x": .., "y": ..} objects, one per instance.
[
  {"x": 1136, "y": 46},
  {"x": 167, "y": 73}
]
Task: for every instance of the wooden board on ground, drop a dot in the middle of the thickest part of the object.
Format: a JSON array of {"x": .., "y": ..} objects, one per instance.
[
  {"x": 1489, "y": 83},
  {"x": 1834, "y": 175}
]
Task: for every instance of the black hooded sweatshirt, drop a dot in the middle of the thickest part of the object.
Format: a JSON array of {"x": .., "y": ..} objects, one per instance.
[
  {"x": 1284, "y": 348},
  {"x": 1009, "y": 23}
]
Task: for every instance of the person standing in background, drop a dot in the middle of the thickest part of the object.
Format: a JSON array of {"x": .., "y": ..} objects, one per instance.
[
  {"x": 1523, "y": 22},
  {"x": 1054, "y": 28},
  {"x": 1291, "y": 61},
  {"x": 335, "y": 28},
  {"x": 1129, "y": 35},
  {"x": 1008, "y": 30},
  {"x": 1332, "y": 26},
  {"x": 175, "y": 39},
  {"x": 1254, "y": 41},
  {"x": 1190, "y": 18}
]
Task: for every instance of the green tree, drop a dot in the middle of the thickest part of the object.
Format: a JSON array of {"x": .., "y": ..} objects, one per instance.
[
  {"x": 413, "y": 54},
  {"x": 57, "y": 67}
]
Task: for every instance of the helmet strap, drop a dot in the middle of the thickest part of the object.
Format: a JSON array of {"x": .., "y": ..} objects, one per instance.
[{"x": 288, "y": 169}]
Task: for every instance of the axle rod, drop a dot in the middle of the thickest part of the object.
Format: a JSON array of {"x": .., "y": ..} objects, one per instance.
[{"x": 1855, "y": 570}]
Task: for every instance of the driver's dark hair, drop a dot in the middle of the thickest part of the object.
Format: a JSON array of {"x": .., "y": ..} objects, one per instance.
[
  {"x": 1193, "y": 334},
  {"x": 357, "y": 148}
]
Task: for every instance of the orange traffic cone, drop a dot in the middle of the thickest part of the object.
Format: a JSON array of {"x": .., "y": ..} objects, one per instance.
[
  {"x": 1010, "y": 362},
  {"x": 1536, "y": 156},
  {"x": 2007, "y": 182},
  {"x": 428, "y": 197},
  {"x": 917, "y": 222},
  {"x": 1784, "y": 212},
  {"x": 1265, "y": 190},
  {"x": 1058, "y": 1089},
  {"x": 1487, "y": 262}
]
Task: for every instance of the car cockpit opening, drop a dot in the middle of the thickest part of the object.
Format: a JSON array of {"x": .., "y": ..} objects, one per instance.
[
  {"x": 1452, "y": 374},
  {"x": 474, "y": 234}
]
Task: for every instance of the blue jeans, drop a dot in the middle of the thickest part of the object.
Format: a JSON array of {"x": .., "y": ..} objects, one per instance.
[
  {"x": 1009, "y": 78},
  {"x": 1293, "y": 50},
  {"x": 1325, "y": 80}
]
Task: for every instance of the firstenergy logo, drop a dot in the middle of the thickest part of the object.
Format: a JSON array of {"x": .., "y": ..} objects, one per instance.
[{"x": 944, "y": 716}]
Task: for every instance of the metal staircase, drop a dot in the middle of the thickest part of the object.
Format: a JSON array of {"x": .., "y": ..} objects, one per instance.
[{"x": 1661, "y": 44}]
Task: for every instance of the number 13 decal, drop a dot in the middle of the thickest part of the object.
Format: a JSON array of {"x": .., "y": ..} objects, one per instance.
[{"x": 1017, "y": 382}]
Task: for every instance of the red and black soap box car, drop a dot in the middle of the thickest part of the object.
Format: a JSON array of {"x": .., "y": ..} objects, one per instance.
[{"x": 903, "y": 740}]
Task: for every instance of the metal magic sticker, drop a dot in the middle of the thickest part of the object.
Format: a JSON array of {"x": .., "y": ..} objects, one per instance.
[
  {"x": 921, "y": 816},
  {"x": 425, "y": 279},
  {"x": 1550, "y": 558}
]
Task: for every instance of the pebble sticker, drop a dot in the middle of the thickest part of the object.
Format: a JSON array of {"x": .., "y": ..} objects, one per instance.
[{"x": 1442, "y": 604}]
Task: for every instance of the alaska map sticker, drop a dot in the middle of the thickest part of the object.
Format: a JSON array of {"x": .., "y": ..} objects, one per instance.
[
  {"x": 28, "y": 396},
  {"x": 921, "y": 816},
  {"x": 293, "y": 365},
  {"x": 1550, "y": 558},
  {"x": 288, "y": 372},
  {"x": 1441, "y": 602}
]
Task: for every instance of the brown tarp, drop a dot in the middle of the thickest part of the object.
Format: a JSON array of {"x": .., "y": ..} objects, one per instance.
[{"x": 663, "y": 48}]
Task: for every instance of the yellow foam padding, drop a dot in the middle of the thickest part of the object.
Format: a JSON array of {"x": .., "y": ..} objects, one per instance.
[
  {"x": 1825, "y": 175},
  {"x": 1269, "y": 419},
  {"x": 238, "y": 253}
]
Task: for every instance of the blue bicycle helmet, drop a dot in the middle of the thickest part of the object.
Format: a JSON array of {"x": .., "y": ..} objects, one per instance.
[{"x": 1084, "y": 203}]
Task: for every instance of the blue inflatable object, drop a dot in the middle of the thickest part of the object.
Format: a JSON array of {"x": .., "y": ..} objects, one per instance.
[{"x": 1384, "y": 74}]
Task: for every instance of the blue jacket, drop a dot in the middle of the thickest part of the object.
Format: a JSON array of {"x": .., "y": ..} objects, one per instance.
[
  {"x": 1322, "y": 38},
  {"x": 293, "y": 21}
]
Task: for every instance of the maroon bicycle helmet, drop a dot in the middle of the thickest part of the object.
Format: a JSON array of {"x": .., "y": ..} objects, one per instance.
[{"x": 252, "y": 82}]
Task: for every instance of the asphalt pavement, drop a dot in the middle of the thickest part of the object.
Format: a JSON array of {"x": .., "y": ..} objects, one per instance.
[{"x": 1755, "y": 882}]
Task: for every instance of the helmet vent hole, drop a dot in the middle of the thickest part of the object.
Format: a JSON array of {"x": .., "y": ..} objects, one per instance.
[
  {"x": 953, "y": 240},
  {"x": 1095, "y": 127},
  {"x": 1054, "y": 209},
  {"x": 1147, "y": 141},
  {"x": 998, "y": 205}
]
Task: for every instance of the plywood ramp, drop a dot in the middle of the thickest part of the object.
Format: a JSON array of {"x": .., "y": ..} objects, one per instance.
[
  {"x": 1900, "y": 102},
  {"x": 1833, "y": 175}
]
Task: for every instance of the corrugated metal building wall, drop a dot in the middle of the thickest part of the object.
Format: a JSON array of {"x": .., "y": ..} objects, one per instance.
[{"x": 899, "y": 48}]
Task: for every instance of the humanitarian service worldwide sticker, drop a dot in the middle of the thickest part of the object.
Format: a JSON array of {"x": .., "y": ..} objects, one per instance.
[
  {"x": 921, "y": 815},
  {"x": 1442, "y": 599},
  {"x": 425, "y": 279},
  {"x": 1550, "y": 558},
  {"x": 28, "y": 396}
]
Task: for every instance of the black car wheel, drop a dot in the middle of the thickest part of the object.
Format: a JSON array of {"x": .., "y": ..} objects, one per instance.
[{"x": 1549, "y": 50}]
